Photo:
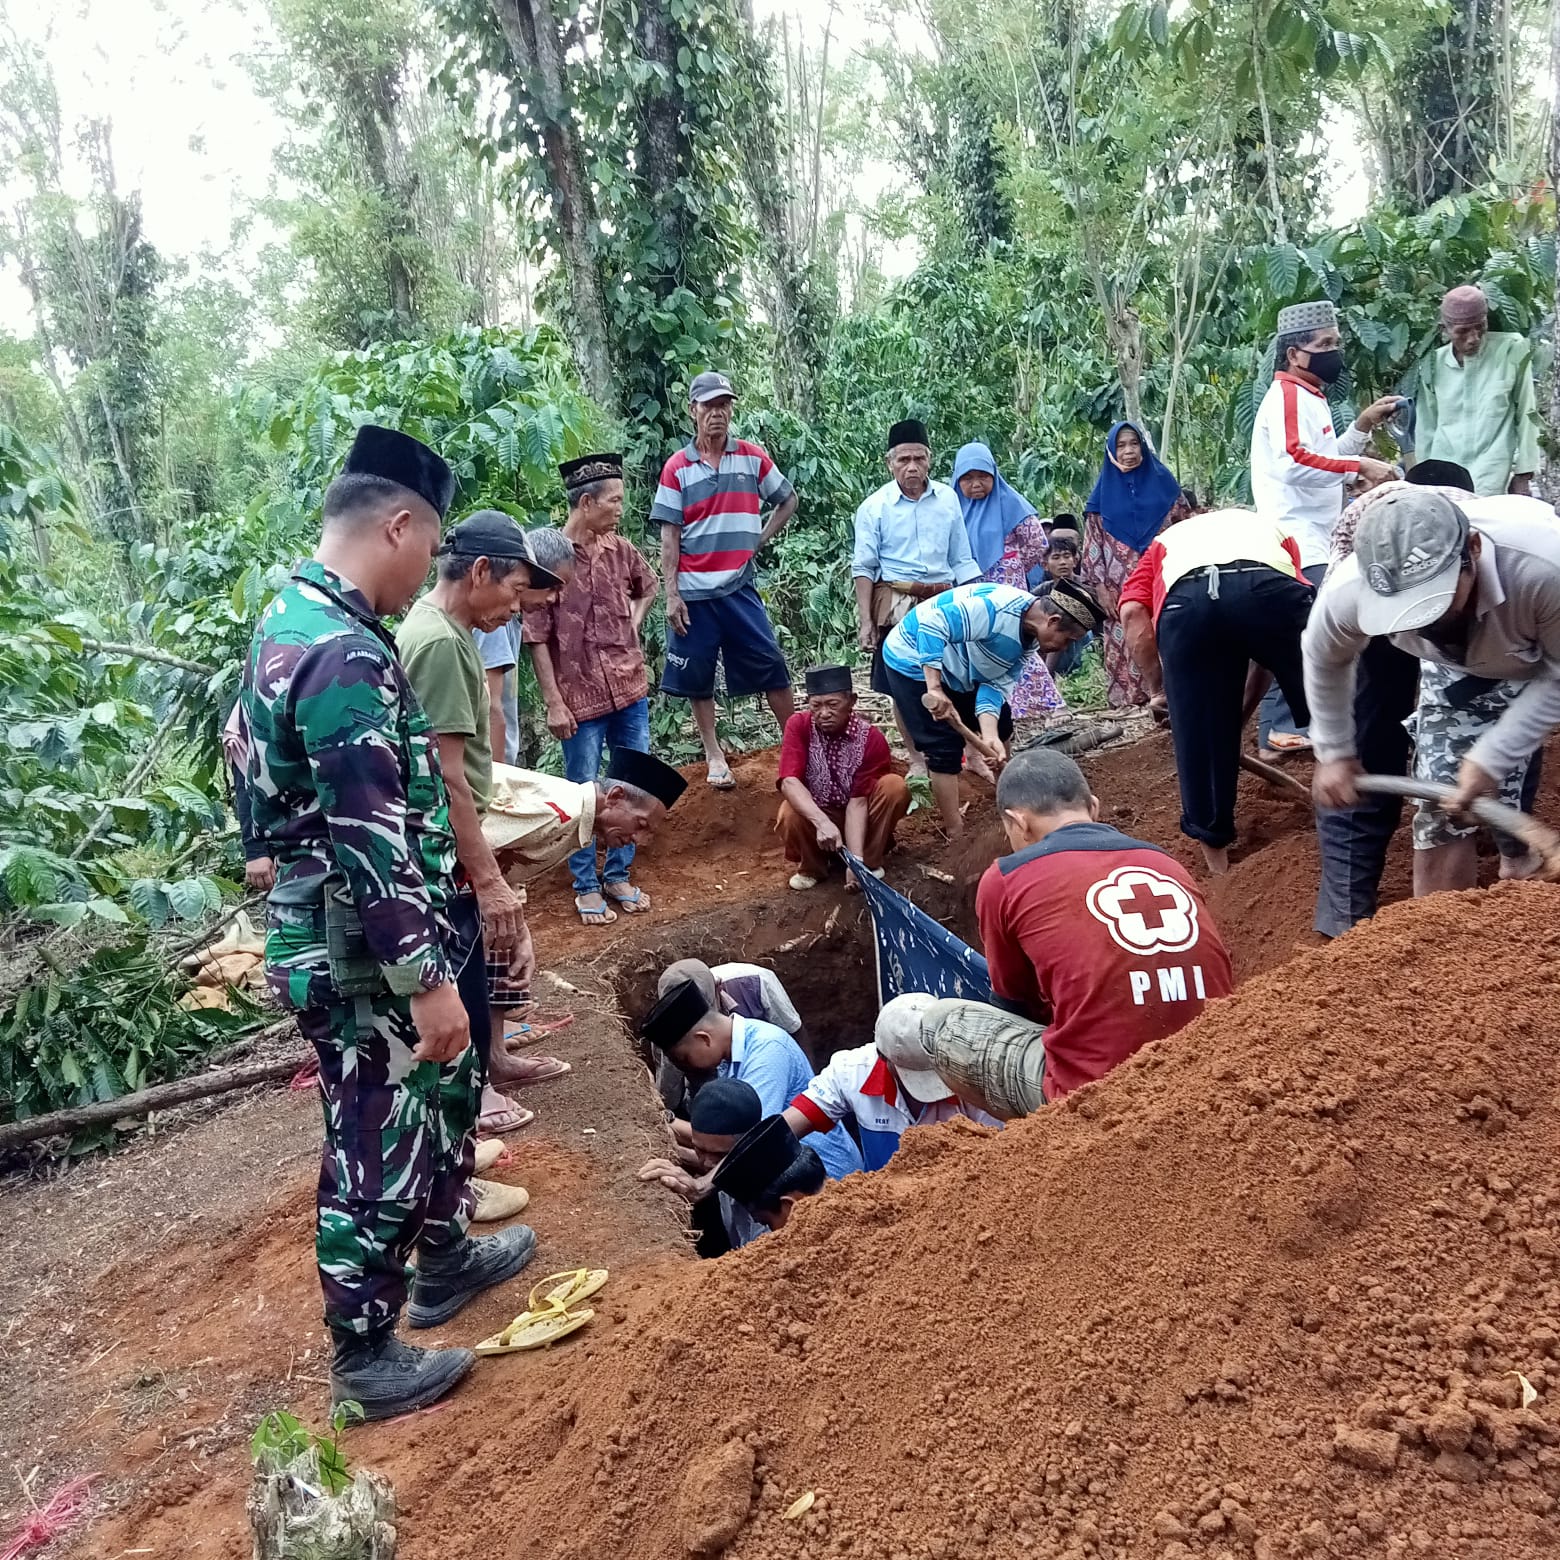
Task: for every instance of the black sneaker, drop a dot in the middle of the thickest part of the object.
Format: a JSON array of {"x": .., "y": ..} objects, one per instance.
[
  {"x": 447, "y": 1280},
  {"x": 387, "y": 1377}
]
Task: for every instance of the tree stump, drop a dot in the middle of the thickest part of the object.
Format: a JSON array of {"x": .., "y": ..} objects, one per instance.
[{"x": 292, "y": 1518}]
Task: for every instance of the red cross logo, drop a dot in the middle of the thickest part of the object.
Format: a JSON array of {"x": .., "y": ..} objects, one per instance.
[
  {"x": 1145, "y": 911},
  {"x": 1145, "y": 902}
]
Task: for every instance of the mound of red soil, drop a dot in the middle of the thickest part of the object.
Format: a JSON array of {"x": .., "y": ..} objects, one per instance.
[{"x": 1279, "y": 1286}]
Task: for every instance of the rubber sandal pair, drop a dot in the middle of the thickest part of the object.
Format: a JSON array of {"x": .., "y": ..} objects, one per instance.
[
  {"x": 720, "y": 778},
  {"x": 550, "y": 1313},
  {"x": 593, "y": 915}
]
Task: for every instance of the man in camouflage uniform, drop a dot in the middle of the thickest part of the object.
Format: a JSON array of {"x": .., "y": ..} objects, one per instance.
[{"x": 348, "y": 795}]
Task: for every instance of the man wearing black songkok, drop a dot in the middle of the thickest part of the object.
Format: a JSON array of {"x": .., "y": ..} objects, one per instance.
[
  {"x": 836, "y": 781},
  {"x": 910, "y": 545}
]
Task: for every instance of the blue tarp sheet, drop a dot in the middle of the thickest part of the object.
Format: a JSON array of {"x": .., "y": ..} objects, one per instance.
[{"x": 914, "y": 953}]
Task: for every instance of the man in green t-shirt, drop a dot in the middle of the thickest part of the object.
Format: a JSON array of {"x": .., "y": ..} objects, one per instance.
[
  {"x": 489, "y": 569},
  {"x": 1476, "y": 405}
]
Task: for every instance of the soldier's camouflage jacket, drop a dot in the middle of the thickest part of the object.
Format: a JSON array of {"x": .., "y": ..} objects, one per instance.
[{"x": 348, "y": 796}]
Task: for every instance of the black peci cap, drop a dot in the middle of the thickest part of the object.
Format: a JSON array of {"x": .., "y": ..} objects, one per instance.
[
  {"x": 1441, "y": 473},
  {"x": 1078, "y": 604},
  {"x": 910, "y": 431},
  {"x": 674, "y": 1015},
  {"x": 828, "y": 679},
  {"x": 398, "y": 457},
  {"x": 757, "y": 1160},
  {"x": 647, "y": 773}
]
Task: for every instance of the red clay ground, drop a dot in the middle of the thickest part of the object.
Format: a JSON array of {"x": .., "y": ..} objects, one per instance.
[{"x": 158, "y": 1302}]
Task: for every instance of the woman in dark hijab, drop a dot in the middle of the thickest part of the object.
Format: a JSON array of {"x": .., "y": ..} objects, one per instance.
[{"x": 1131, "y": 503}]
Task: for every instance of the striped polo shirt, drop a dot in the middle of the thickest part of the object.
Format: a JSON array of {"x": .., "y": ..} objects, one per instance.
[
  {"x": 973, "y": 634},
  {"x": 719, "y": 512}
]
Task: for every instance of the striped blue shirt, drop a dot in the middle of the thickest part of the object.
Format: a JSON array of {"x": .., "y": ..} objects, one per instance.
[{"x": 972, "y": 634}]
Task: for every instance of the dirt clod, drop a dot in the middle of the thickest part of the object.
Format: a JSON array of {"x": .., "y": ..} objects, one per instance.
[
  {"x": 716, "y": 1496},
  {"x": 1376, "y": 1450}
]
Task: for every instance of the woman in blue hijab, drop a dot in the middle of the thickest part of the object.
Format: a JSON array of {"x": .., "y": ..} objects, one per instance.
[
  {"x": 1131, "y": 503},
  {"x": 1008, "y": 541}
]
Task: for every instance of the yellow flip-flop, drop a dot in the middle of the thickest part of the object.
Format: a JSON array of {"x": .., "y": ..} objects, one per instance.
[
  {"x": 535, "y": 1331},
  {"x": 567, "y": 1289}
]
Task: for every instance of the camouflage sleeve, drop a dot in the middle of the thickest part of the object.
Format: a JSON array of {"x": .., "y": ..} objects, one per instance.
[{"x": 346, "y": 710}]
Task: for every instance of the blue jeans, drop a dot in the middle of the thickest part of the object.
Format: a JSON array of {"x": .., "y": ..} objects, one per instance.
[
  {"x": 1274, "y": 714},
  {"x": 626, "y": 728}
]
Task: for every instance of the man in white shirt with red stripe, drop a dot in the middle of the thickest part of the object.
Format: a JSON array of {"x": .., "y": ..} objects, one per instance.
[
  {"x": 887, "y": 1086},
  {"x": 1300, "y": 467},
  {"x": 709, "y": 505},
  {"x": 1213, "y": 595}
]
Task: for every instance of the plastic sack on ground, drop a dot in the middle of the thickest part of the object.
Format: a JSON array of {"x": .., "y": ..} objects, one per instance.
[{"x": 294, "y": 1517}]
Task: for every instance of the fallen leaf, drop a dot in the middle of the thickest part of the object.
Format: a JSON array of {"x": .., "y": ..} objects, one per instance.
[
  {"x": 1529, "y": 1391},
  {"x": 800, "y": 1506}
]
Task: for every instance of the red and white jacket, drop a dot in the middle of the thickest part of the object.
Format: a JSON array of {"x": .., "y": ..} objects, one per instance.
[{"x": 1298, "y": 463}]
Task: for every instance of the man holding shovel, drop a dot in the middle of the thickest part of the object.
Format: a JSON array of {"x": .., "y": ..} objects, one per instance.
[
  {"x": 1216, "y": 601},
  {"x": 1472, "y": 588},
  {"x": 952, "y": 662}
]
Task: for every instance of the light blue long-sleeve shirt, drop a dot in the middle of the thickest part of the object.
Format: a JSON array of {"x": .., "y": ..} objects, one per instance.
[
  {"x": 973, "y": 634},
  {"x": 767, "y": 1058},
  {"x": 919, "y": 542}
]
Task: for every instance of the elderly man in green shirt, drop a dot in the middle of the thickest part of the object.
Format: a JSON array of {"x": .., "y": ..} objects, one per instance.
[
  {"x": 489, "y": 569},
  {"x": 1476, "y": 405}
]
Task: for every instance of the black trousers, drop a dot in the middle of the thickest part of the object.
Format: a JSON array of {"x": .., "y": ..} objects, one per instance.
[
  {"x": 466, "y": 954},
  {"x": 1212, "y": 624},
  {"x": 1353, "y": 841},
  {"x": 939, "y": 744}
]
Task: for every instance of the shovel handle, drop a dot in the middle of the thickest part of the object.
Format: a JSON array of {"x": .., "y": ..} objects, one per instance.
[
  {"x": 1275, "y": 777},
  {"x": 959, "y": 726},
  {"x": 1538, "y": 837}
]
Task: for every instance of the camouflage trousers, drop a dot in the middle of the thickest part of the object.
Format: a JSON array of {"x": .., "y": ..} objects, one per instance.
[
  {"x": 395, "y": 1174},
  {"x": 1455, "y": 710}
]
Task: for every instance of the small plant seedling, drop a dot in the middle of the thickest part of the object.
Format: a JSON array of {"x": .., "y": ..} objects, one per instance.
[{"x": 280, "y": 1439}]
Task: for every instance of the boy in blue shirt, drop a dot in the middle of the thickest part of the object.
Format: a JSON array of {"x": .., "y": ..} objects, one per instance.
[{"x": 700, "y": 1040}]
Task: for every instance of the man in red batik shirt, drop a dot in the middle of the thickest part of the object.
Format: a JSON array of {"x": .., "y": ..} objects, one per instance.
[
  {"x": 836, "y": 782},
  {"x": 1101, "y": 938}
]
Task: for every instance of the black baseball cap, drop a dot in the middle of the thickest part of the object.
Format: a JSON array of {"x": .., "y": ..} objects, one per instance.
[{"x": 490, "y": 533}]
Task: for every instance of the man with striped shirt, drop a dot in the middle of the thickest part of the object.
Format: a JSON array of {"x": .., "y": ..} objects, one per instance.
[
  {"x": 960, "y": 655},
  {"x": 709, "y": 506}
]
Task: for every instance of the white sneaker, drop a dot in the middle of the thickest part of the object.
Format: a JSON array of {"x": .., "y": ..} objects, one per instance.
[
  {"x": 489, "y": 1152},
  {"x": 802, "y": 881},
  {"x": 496, "y": 1200}
]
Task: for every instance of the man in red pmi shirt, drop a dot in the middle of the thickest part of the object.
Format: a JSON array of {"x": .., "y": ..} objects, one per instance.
[{"x": 1103, "y": 939}]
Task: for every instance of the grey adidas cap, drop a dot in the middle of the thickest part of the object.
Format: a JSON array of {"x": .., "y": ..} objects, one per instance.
[
  {"x": 1409, "y": 545},
  {"x": 710, "y": 387}
]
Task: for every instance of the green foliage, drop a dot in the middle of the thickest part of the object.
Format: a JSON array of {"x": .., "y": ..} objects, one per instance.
[
  {"x": 110, "y": 1027},
  {"x": 503, "y": 407},
  {"x": 281, "y": 1440}
]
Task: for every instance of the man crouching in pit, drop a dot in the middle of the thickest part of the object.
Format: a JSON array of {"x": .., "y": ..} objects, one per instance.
[{"x": 1103, "y": 939}]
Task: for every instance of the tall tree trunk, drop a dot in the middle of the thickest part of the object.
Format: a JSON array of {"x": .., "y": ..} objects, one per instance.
[
  {"x": 1269, "y": 151},
  {"x": 799, "y": 345},
  {"x": 530, "y": 28},
  {"x": 376, "y": 132}
]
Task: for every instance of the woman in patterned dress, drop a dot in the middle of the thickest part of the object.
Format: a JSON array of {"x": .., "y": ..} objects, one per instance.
[
  {"x": 1008, "y": 541},
  {"x": 1131, "y": 504}
]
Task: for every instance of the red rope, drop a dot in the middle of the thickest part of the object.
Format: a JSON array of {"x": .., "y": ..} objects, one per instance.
[{"x": 64, "y": 1507}]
